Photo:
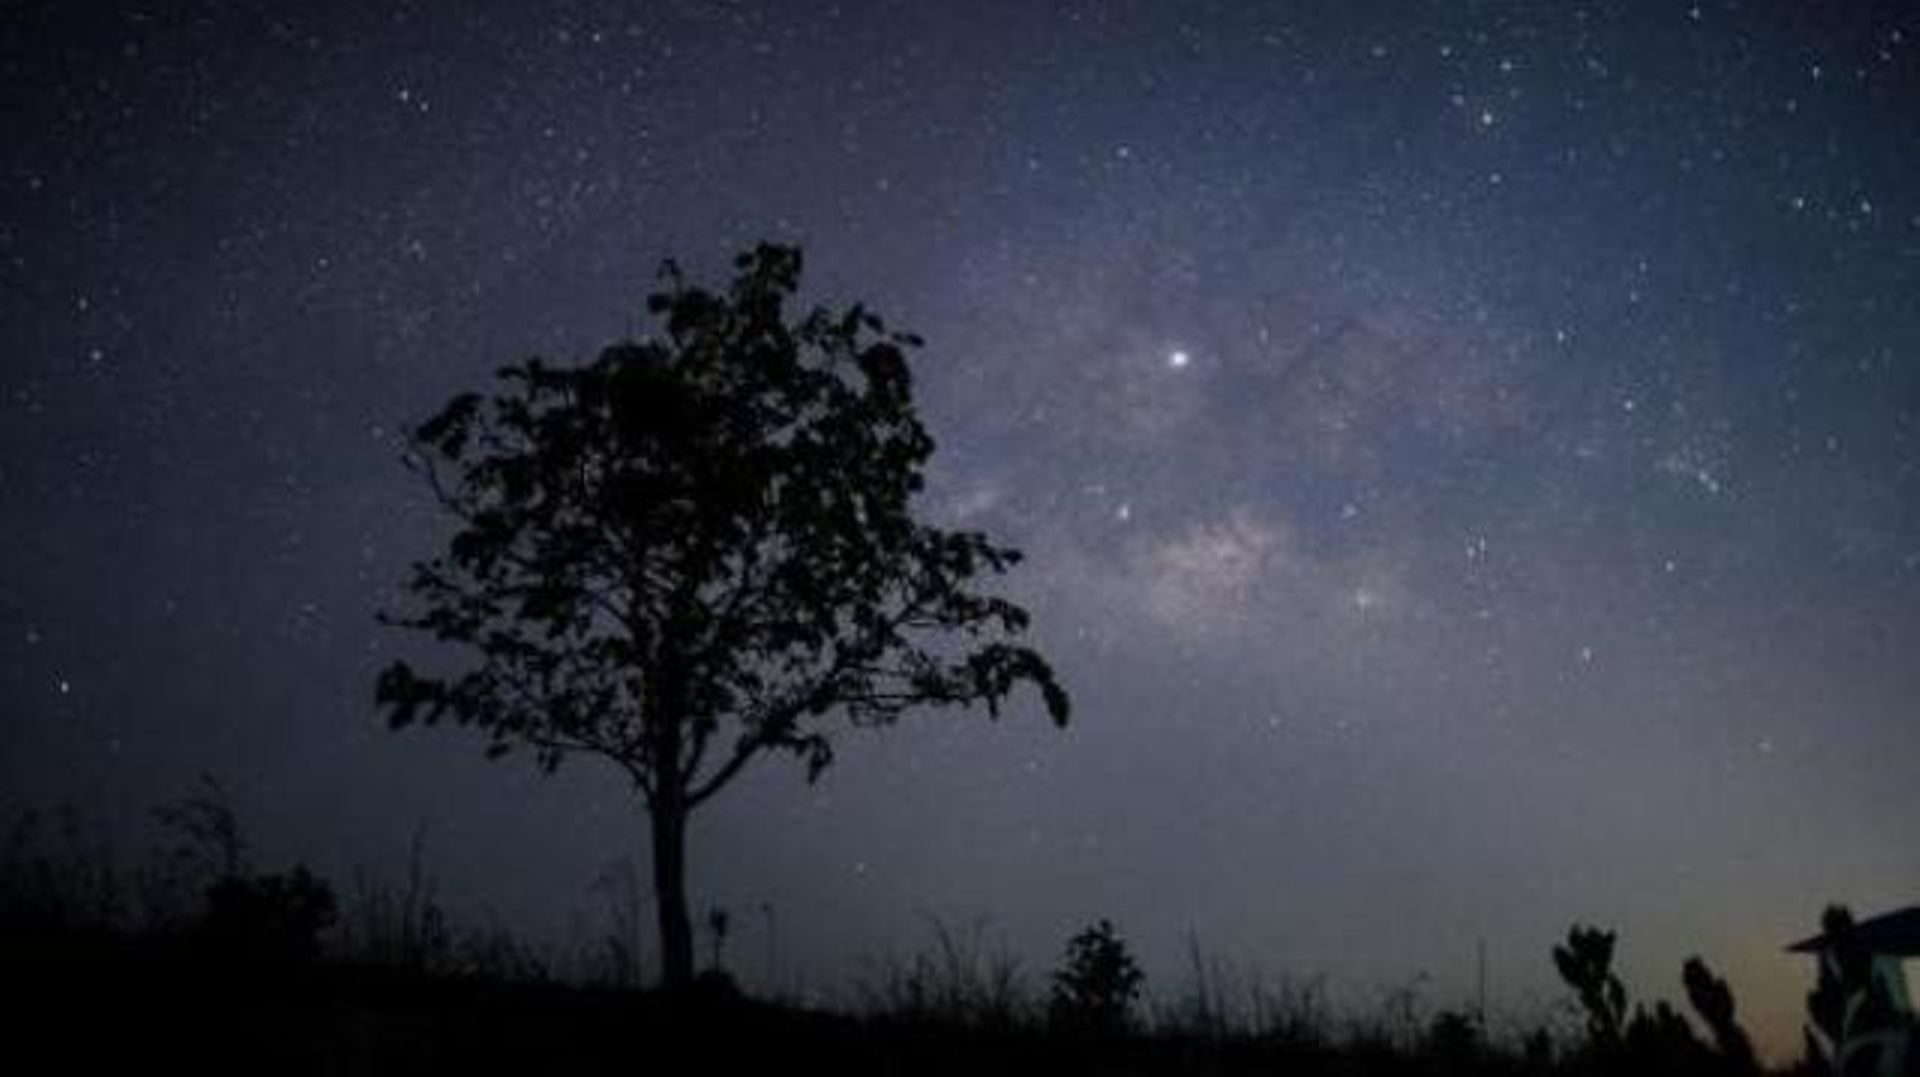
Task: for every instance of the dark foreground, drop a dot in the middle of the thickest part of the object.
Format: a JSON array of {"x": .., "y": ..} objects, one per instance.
[{"x": 139, "y": 1008}]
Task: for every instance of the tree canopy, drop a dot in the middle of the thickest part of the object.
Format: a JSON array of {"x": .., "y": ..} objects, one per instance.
[{"x": 693, "y": 550}]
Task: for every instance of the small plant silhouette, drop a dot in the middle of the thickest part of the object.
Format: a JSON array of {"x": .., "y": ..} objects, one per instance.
[
  {"x": 718, "y": 923},
  {"x": 1660, "y": 1041},
  {"x": 1097, "y": 984},
  {"x": 1712, "y": 999},
  {"x": 1585, "y": 963},
  {"x": 1454, "y": 1041}
]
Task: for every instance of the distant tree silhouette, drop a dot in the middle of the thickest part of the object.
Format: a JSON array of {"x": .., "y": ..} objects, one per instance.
[
  {"x": 686, "y": 554},
  {"x": 1097, "y": 983}
]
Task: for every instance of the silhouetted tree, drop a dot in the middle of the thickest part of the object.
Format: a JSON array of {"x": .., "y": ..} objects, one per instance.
[
  {"x": 687, "y": 553},
  {"x": 1097, "y": 983}
]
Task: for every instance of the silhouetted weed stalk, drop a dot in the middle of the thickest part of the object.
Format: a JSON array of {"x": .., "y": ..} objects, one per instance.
[
  {"x": 961, "y": 980},
  {"x": 1223, "y": 999},
  {"x": 618, "y": 960},
  {"x": 403, "y": 927}
]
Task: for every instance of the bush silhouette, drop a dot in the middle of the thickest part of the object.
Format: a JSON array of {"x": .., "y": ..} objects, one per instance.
[
  {"x": 1095, "y": 988},
  {"x": 1453, "y": 1041},
  {"x": 270, "y": 919}
]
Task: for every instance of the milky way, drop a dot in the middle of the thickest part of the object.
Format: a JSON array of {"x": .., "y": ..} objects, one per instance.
[{"x": 1466, "y": 453}]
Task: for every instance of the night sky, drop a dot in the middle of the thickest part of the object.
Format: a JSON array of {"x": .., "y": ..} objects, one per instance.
[{"x": 1468, "y": 454}]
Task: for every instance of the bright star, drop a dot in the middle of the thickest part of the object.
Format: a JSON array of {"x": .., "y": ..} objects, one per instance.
[{"x": 1178, "y": 358}]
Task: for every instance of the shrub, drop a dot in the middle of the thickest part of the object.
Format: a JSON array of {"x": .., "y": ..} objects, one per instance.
[
  {"x": 273, "y": 919},
  {"x": 1097, "y": 984}
]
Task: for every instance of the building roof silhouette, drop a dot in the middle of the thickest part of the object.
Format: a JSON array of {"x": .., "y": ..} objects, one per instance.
[{"x": 1896, "y": 934}]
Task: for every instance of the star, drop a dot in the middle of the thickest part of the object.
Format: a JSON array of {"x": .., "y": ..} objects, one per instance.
[{"x": 1548, "y": 402}]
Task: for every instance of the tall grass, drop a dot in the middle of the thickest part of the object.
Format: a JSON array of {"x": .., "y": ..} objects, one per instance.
[
  {"x": 1224, "y": 999},
  {"x": 963, "y": 980}
]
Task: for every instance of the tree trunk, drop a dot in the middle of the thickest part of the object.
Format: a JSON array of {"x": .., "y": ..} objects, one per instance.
[{"x": 669, "y": 819}]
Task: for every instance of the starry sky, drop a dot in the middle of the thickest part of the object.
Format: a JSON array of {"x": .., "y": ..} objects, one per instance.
[{"x": 1467, "y": 453}]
